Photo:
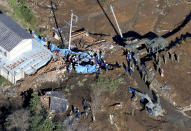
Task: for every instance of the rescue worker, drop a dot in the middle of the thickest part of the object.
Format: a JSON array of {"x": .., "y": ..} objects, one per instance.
[
  {"x": 145, "y": 78},
  {"x": 143, "y": 101},
  {"x": 84, "y": 103},
  {"x": 84, "y": 114},
  {"x": 48, "y": 45},
  {"x": 30, "y": 31},
  {"x": 95, "y": 60},
  {"x": 131, "y": 90},
  {"x": 169, "y": 55},
  {"x": 140, "y": 70},
  {"x": 131, "y": 70},
  {"x": 74, "y": 109},
  {"x": 70, "y": 66},
  {"x": 129, "y": 56},
  {"x": 127, "y": 68},
  {"x": 157, "y": 67},
  {"x": 78, "y": 114},
  {"x": 165, "y": 59},
  {"x": 99, "y": 54},
  {"x": 157, "y": 56},
  {"x": 178, "y": 58},
  {"x": 133, "y": 66},
  {"x": 159, "y": 61},
  {"x": 175, "y": 57},
  {"x": 143, "y": 74},
  {"x": 91, "y": 53},
  {"x": 104, "y": 65},
  {"x": 162, "y": 73},
  {"x": 158, "y": 98}
]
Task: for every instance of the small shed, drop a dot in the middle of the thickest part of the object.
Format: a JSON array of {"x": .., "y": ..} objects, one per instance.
[{"x": 57, "y": 101}]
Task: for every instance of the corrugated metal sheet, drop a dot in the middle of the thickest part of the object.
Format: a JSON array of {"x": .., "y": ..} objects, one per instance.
[{"x": 28, "y": 62}]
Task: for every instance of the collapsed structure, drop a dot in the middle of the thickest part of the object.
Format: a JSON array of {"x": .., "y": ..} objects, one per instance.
[
  {"x": 150, "y": 46},
  {"x": 153, "y": 108},
  {"x": 84, "y": 67},
  {"x": 20, "y": 54}
]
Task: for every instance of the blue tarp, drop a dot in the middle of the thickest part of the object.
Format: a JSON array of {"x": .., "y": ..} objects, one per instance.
[
  {"x": 86, "y": 69},
  {"x": 39, "y": 40}
]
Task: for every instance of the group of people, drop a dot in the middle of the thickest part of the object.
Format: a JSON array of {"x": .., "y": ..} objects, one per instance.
[
  {"x": 158, "y": 60},
  {"x": 97, "y": 59},
  {"x": 80, "y": 59},
  {"x": 74, "y": 59},
  {"x": 143, "y": 100},
  {"x": 132, "y": 61},
  {"x": 75, "y": 112}
]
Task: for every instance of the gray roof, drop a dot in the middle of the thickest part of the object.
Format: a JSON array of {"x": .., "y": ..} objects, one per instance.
[
  {"x": 11, "y": 33},
  {"x": 57, "y": 101},
  {"x": 55, "y": 94},
  {"x": 58, "y": 104}
]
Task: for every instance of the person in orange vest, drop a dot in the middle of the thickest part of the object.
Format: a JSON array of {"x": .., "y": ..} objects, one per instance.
[
  {"x": 162, "y": 73},
  {"x": 46, "y": 43}
]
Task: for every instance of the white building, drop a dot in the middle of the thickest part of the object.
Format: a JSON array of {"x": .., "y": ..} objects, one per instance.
[{"x": 20, "y": 54}]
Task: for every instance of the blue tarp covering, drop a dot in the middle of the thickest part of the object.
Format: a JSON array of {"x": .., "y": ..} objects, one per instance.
[
  {"x": 39, "y": 40},
  {"x": 85, "y": 69}
]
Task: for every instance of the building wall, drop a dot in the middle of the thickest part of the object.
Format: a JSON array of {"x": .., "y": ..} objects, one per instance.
[
  {"x": 23, "y": 46},
  {"x": 19, "y": 76},
  {"x": 11, "y": 76}
]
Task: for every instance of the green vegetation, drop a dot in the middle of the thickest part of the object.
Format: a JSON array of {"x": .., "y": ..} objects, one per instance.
[
  {"x": 23, "y": 14},
  {"x": 3, "y": 80},
  {"x": 85, "y": 79},
  {"x": 80, "y": 83},
  {"x": 35, "y": 105},
  {"x": 109, "y": 84},
  {"x": 39, "y": 120},
  {"x": 58, "y": 127}
]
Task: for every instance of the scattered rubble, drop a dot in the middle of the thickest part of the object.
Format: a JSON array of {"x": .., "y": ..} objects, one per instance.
[{"x": 152, "y": 108}]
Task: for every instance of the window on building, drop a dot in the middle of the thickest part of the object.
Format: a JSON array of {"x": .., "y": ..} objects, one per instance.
[{"x": 5, "y": 53}]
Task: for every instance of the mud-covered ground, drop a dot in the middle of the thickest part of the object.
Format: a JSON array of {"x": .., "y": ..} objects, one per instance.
[
  {"x": 167, "y": 18},
  {"x": 159, "y": 16}
]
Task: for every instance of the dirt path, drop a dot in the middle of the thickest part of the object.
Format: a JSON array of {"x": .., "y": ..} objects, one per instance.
[{"x": 173, "y": 115}]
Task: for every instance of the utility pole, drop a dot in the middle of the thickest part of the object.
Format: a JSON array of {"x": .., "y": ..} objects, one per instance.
[
  {"x": 70, "y": 34},
  {"x": 116, "y": 21},
  {"x": 56, "y": 23}
]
